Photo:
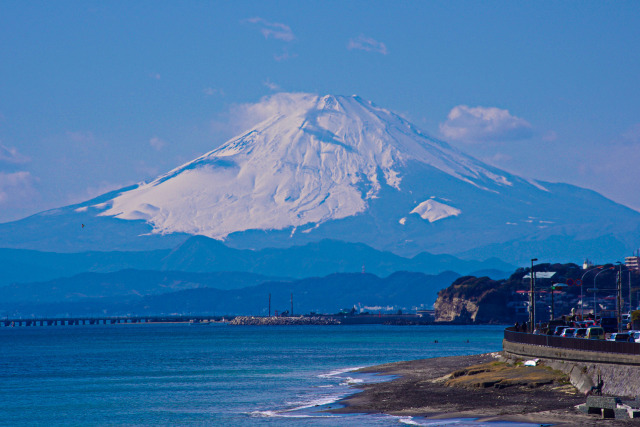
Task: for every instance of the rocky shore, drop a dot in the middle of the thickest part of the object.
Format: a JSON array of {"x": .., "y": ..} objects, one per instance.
[
  {"x": 278, "y": 321},
  {"x": 485, "y": 386}
]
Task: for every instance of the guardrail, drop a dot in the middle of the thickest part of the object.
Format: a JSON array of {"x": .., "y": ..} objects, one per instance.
[{"x": 572, "y": 343}]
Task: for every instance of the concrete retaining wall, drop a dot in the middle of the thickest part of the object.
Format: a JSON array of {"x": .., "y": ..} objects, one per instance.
[
  {"x": 620, "y": 372},
  {"x": 530, "y": 350}
]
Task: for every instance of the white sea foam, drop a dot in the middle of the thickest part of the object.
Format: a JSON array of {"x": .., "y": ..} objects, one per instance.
[
  {"x": 461, "y": 422},
  {"x": 297, "y": 411},
  {"x": 304, "y": 408},
  {"x": 301, "y": 409},
  {"x": 339, "y": 371},
  {"x": 319, "y": 401},
  {"x": 286, "y": 414},
  {"x": 350, "y": 381}
]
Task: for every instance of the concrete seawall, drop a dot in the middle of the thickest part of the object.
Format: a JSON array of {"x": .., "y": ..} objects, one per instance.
[{"x": 620, "y": 372}]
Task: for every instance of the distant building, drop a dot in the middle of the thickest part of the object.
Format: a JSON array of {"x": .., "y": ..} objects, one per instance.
[
  {"x": 541, "y": 275},
  {"x": 632, "y": 262},
  {"x": 587, "y": 264},
  {"x": 427, "y": 314}
]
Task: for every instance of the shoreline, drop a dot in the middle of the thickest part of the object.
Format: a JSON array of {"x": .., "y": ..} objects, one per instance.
[{"x": 419, "y": 390}]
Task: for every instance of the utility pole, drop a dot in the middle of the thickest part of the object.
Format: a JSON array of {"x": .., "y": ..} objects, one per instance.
[
  {"x": 630, "y": 308},
  {"x": 553, "y": 288},
  {"x": 619, "y": 296},
  {"x": 532, "y": 298}
]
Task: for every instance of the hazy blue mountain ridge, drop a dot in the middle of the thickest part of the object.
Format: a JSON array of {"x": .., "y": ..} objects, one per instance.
[
  {"x": 327, "y": 294},
  {"x": 202, "y": 254},
  {"x": 123, "y": 284}
]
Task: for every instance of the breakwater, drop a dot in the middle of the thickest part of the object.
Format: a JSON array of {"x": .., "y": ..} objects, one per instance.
[
  {"x": 334, "y": 319},
  {"x": 276, "y": 321}
]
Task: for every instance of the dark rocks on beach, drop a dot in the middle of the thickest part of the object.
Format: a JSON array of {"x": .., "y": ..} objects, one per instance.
[
  {"x": 503, "y": 375},
  {"x": 422, "y": 388}
]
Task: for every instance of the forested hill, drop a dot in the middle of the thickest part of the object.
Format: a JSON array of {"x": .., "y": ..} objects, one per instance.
[{"x": 472, "y": 299}]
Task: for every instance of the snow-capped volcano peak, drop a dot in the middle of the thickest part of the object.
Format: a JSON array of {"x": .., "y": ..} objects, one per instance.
[
  {"x": 312, "y": 167},
  {"x": 310, "y": 160}
]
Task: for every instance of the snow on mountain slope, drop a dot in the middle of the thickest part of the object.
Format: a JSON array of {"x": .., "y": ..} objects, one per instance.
[
  {"x": 432, "y": 210},
  {"x": 317, "y": 158},
  {"x": 333, "y": 167}
]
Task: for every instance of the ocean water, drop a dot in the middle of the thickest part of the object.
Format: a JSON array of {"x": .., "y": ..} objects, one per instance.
[{"x": 180, "y": 374}]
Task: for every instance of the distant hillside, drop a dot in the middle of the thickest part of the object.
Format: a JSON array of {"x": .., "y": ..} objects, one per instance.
[
  {"x": 123, "y": 284},
  {"x": 327, "y": 294},
  {"x": 202, "y": 254}
]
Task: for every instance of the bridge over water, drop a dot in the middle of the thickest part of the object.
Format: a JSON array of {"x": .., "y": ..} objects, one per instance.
[{"x": 109, "y": 320}]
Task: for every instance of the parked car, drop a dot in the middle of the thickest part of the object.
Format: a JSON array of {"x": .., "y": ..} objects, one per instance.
[
  {"x": 595, "y": 333},
  {"x": 584, "y": 323},
  {"x": 621, "y": 337},
  {"x": 635, "y": 335},
  {"x": 559, "y": 330},
  {"x": 580, "y": 333},
  {"x": 568, "y": 332}
]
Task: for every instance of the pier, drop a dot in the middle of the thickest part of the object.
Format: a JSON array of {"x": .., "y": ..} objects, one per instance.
[
  {"x": 109, "y": 320},
  {"x": 319, "y": 319}
]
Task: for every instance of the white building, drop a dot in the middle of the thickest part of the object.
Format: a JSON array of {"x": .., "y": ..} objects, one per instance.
[{"x": 632, "y": 262}]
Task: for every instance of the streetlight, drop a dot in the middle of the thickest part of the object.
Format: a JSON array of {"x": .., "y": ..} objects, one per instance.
[
  {"x": 619, "y": 293},
  {"x": 629, "y": 271},
  {"x": 595, "y": 290},
  {"x": 628, "y": 281},
  {"x": 532, "y": 298},
  {"x": 581, "y": 293}
]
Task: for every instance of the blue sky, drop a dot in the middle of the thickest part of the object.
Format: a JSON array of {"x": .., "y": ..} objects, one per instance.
[{"x": 98, "y": 95}]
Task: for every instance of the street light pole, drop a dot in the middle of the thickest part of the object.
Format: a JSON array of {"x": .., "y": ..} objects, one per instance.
[
  {"x": 619, "y": 297},
  {"x": 532, "y": 298},
  {"x": 581, "y": 293},
  {"x": 630, "y": 309},
  {"x": 619, "y": 293},
  {"x": 552, "y": 304},
  {"x": 595, "y": 290}
]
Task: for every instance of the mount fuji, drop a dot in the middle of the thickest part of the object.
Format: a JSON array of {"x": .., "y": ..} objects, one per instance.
[{"x": 342, "y": 168}]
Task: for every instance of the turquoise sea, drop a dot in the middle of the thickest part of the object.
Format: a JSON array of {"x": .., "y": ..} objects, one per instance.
[{"x": 181, "y": 374}]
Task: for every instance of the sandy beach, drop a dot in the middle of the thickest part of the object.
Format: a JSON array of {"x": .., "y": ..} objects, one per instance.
[{"x": 424, "y": 388}]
